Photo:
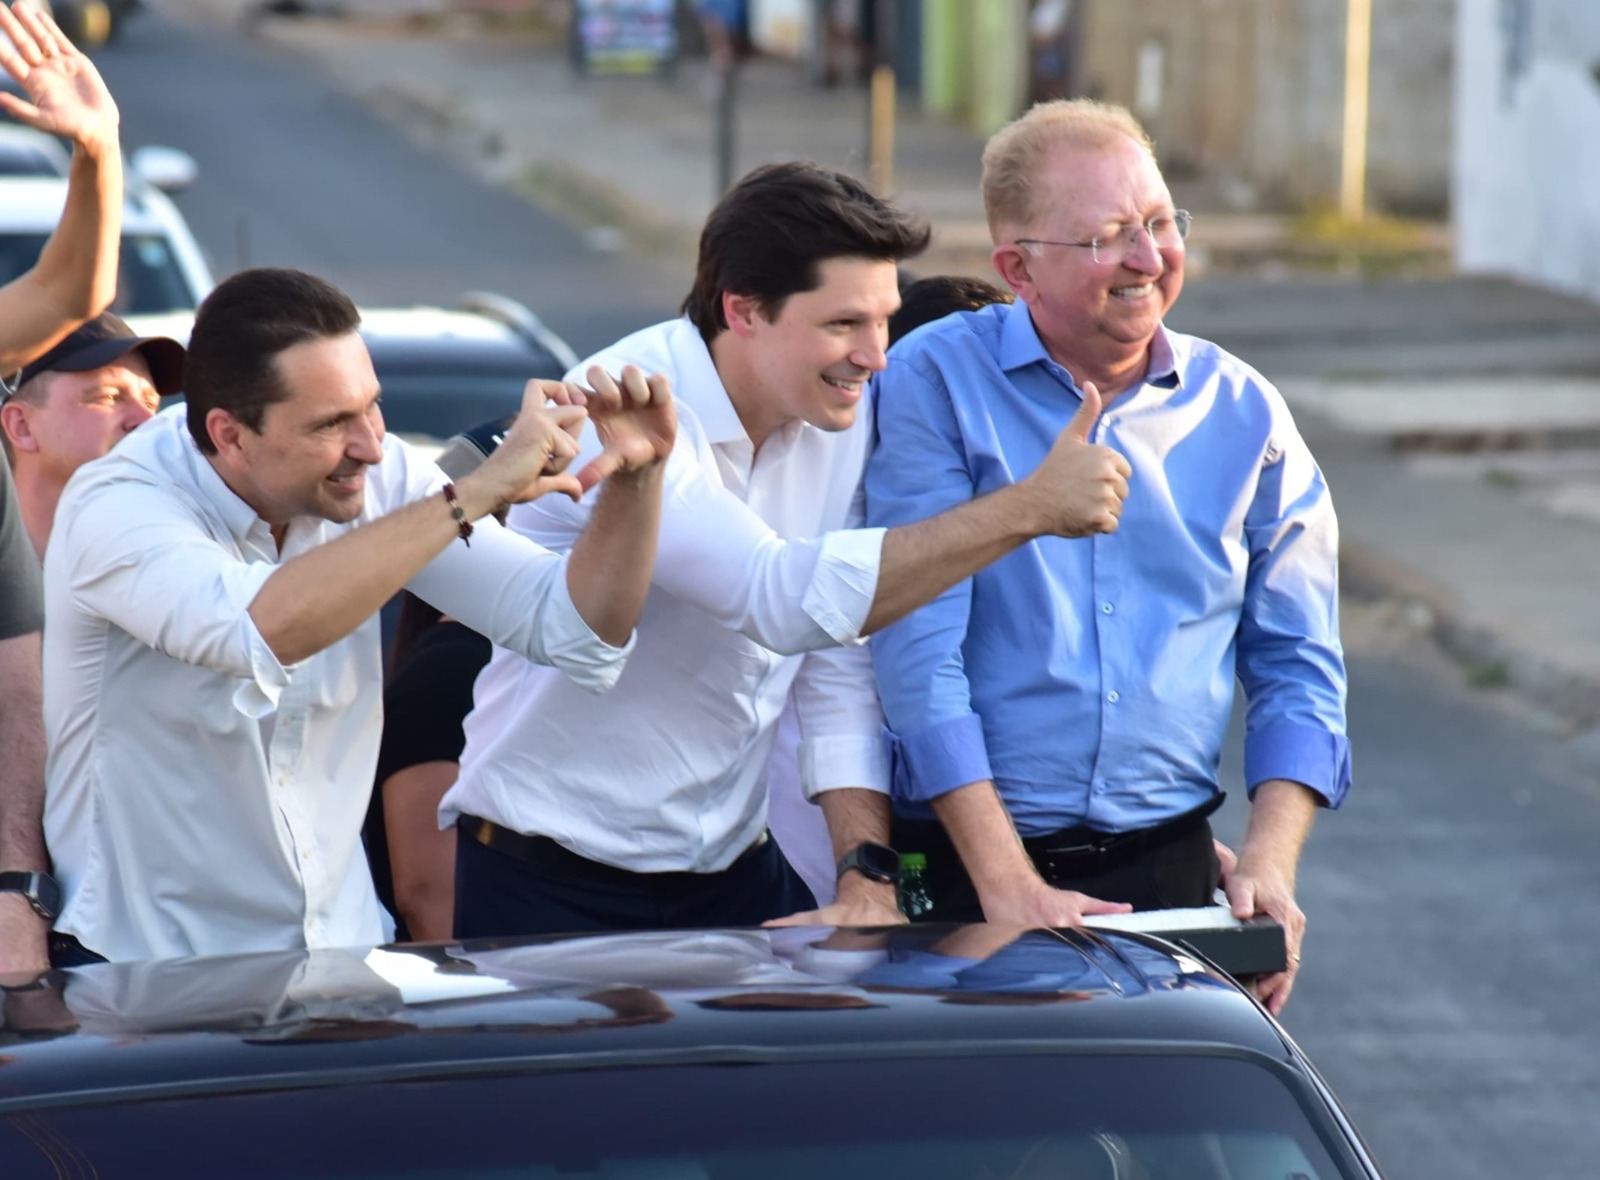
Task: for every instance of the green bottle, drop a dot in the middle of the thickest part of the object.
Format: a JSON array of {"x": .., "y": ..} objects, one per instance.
[{"x": 915, "y": 900}]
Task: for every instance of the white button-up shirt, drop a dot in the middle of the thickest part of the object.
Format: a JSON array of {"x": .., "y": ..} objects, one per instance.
[
  {"x": 201, "y": 797},
  {"x": 760, "y": 568}
]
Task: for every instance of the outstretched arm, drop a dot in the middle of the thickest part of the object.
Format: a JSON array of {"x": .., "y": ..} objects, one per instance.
[
  {"x": 76, "y": 276},
  {"x": 22, "y": 932}
]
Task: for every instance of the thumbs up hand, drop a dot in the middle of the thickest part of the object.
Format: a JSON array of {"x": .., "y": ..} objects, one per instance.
[{"x": 1079, "y": 488}]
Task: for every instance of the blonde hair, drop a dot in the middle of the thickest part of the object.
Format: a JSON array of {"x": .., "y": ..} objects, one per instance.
[{"x": 1014, "y": 154}]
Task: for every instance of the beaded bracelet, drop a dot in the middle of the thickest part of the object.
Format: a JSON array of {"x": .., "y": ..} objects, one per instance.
[{"x": 463, "y": 525}]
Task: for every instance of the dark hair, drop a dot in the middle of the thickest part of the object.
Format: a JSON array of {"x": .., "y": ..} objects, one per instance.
[
  {"x": 239, "y": 331},
  {"x": 771, "y": 230},
  {"x": 931, "y": 299}
]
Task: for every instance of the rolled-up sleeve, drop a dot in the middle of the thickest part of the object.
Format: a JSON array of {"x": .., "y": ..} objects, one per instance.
[
  {"x": 918, "y": 470},
  {"x": 842, "y": 740},
  {"x": 1290, "y": 660},
  {"x": 514, "y": 591},
  {"x": 137, "y": 556}
]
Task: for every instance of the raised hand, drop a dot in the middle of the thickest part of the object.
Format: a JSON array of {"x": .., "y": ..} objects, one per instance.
[
  {"x": 66, "y": 96},
  {"x": 1079, "y": 488},
  {"x": 533, "y": 458},
  {"x": 635, "y": 419}
]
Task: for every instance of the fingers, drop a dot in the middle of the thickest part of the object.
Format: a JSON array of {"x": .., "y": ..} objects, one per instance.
[
  {"x": 603, "y": 465},
  {"x": 564, "y": 484},
  {"x": 22, "y": 112},
  {"x": 632, "y": 389},
  {"x": 540, "y": 392},
  {"x": 1093, "y": 905},
  {"x": 14, "y": 44},
  {"x": 1082, "y": 424},
  {"x": 804, "y": 918},
  {"x": 47, "y": 36}
]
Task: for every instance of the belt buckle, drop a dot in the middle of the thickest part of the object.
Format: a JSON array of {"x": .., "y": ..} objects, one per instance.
[{"x": 1078, "y": 858}]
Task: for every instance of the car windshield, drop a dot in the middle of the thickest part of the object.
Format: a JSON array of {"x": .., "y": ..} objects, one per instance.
[
  {"x": 1036, "y": 1117},
  {"x": 149, "y": 280}
]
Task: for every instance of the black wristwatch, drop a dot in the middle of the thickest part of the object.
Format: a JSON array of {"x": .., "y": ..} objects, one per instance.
[
  {"x": 875, "y": 862},
  {"x": 41, "y": 890}
]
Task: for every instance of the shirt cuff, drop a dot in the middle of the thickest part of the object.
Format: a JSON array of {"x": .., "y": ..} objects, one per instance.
[
  {"x": 844, "y": 760},
  {"x": 257, "y": 696},
  {"x": 571, "y": 646},
  {"x": 1304, "y": 754},
  {"x": 939, "y": 759},
  {"x": 840, "y": 594}
]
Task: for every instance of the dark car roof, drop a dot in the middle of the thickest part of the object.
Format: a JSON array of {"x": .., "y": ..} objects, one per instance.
[{"x": 321, "y": 1017}]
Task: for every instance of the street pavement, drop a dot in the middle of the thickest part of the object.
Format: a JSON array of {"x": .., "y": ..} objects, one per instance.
[{"x": 1456, "y": 419}]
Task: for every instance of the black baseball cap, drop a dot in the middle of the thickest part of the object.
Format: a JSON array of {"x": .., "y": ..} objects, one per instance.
[{"x": 105, "y": 339}]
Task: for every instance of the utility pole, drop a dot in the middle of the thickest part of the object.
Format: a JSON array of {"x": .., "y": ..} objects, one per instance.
[
  {"x": 1357, "y": 88},
  {"x": 880, "y": 119}
]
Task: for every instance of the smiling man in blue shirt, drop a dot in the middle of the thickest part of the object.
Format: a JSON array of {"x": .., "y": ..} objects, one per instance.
[{"x": 1058, "y": 718}]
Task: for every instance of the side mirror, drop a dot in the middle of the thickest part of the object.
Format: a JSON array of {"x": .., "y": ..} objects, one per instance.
[{"x": 165, "y": 168}]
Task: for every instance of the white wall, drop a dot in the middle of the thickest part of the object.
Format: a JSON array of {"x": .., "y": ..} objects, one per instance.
[{"x": 1527, "y": 159}]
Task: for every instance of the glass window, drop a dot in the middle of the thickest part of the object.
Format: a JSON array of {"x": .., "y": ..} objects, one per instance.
[
  {"x": 148, "y": 281},
  {"x": 988, "y": 1118}
]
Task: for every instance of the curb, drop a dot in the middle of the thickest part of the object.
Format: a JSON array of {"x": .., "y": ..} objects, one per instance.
[{"x": 1488, "y": 658}]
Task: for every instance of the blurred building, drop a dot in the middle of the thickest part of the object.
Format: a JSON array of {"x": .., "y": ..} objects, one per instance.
[
  {"x": 1527, "y": 168},
  {"x": 1246, "y": 94}
]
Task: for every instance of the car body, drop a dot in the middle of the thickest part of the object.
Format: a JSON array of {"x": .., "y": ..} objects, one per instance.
[
  {"x": 444, "y": 370},
  {"x": 26, "y": 152},
  {"x": 162, "y": 268},
  {"x": 941, "y": 1053}
]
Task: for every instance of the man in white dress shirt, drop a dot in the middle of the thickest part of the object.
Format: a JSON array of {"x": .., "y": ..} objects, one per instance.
[
  {"x": 211, "y": 670},
  {"x": 648, "y": 809}
]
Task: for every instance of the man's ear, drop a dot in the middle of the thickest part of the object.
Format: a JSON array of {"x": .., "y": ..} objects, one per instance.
[
  {"x": 226, "y": 432},
  {"x": 14, "y": 421},
  {"x": 741, "y": 312},
  {"x": 1014, "y": 263}
]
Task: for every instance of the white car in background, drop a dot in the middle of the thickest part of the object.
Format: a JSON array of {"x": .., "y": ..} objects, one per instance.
[{"x": 163, "y": 269}]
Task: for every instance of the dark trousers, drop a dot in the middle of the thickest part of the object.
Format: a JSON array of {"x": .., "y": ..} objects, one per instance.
[
  {"x": 535, "y": 886},
  {"x": 1170, "y": 866}
]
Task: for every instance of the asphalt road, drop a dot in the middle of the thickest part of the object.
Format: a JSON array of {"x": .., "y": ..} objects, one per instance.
[
  {"x": 293, "y": 173},
  {"x": 1449, "y": 974}
]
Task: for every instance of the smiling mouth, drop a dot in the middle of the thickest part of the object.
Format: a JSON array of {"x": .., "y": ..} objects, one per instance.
[
  {"x": 1138, "y": 292},
  {"x": 851, "y": 385},
  {"x": 349, "y": 480}
]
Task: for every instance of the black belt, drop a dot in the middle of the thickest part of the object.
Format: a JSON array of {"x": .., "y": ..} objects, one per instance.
[
  {"x": 1081, "y": 851},
  {"x": 554, "y": 859}
]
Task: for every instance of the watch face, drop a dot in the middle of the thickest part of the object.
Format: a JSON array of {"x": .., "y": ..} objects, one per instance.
[{"x": 880, "y": 862}]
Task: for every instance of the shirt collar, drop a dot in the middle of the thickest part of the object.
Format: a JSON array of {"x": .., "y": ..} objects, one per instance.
[
  {"x": 700, "y": 387},
  {"x": 238, "y": 516},
  {"x": 1020, "y": 346}
]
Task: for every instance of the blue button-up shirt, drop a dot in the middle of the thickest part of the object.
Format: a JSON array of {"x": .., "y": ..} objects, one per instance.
[{"x": 1091, "y": 679}]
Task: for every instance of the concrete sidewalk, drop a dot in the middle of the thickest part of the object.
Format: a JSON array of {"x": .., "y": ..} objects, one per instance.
[{"x": 1456, "y": 419}]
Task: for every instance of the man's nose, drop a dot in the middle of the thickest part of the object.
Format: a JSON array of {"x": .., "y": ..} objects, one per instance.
[
  {"x": 366, "y": 441},
  {"x": 137, "y": 414},
  {"x": 1144, "y": 255},
  {"x": 870, "y": 352}
]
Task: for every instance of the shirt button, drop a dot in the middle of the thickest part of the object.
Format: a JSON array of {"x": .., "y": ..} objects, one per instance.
[
  {"x": 1113, "y": 696},
  {"x": 1106, "y": 608}
]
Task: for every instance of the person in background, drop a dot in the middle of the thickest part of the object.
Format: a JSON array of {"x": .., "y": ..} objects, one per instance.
[
  {"x": 75, "y": 403},
  {"x": 1058, "y": 718}
]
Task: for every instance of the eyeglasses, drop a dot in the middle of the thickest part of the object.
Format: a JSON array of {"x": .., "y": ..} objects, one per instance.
[{"x": 1167, "y": 231}]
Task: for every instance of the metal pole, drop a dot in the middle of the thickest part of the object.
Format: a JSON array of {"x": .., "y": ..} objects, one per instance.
[
  {"x": 881, "y": 116},
  {"x": 725, "y": 105},
  {"x": 1357, "y": 85}
]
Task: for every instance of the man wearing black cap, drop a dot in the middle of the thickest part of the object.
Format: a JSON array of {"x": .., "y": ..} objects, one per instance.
[{"x": 75, "y": 403}]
